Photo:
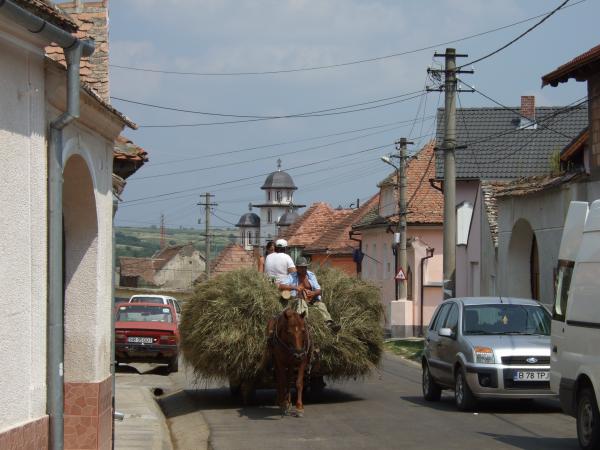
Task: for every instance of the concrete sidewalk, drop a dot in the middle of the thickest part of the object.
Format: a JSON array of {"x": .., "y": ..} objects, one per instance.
[{"x": 144, "y": 425}]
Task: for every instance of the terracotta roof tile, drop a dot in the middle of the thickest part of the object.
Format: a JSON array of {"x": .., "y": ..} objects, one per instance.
[
  {"x": 47, "y": 11},
  {"x": 573, "y": 69},
  {"x": 231, "y": 258}
]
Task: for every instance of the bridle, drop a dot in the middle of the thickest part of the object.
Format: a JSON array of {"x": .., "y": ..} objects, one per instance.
[{"x": 292, "y": 351}]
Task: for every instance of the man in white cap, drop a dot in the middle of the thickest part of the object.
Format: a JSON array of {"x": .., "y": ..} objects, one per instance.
[{"x": 279, "y": 264}]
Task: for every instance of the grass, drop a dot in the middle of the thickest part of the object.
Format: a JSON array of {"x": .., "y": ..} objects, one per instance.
[{"x": 407, "y": 348}]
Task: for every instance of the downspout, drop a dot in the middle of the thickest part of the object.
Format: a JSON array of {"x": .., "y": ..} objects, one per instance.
[
  {"x": 352, "y": 238},
  {"x": 422, "y": 289},
  {"x": 74, "y": 49}
]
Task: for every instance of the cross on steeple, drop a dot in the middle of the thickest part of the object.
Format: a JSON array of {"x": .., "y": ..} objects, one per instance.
[
  {"x": 249, "y": 206},
  {"x": 279, "y": 164}
]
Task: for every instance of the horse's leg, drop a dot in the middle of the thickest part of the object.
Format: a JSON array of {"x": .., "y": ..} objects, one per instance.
[{"x": 300, "y": 388}]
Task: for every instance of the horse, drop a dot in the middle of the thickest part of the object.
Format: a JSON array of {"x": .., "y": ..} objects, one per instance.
[{"x": 291, "y": 349}]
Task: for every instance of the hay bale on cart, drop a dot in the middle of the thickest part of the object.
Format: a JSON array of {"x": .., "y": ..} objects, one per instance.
[{"x": 223, "y": 328}]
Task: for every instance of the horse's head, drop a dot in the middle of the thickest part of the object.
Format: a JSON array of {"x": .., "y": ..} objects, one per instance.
[{"x": 293, "y": 333}]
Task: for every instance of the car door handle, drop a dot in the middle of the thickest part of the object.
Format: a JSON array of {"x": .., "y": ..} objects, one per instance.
[{"x": 554, "y": 349}]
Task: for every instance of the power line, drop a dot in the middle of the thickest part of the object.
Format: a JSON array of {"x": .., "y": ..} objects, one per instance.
[
  {"x": 344, "y": 64},
  {"x": 546, "y": 17},
  {"x": 290, "y": 116},
  {"x": 255, "y": 116},
  {"x": 262, "y": 158},
  {"x": 297, "y": 141}
]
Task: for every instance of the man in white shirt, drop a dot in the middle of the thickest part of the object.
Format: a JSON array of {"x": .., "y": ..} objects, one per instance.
[{"x": 279, "y": 264}]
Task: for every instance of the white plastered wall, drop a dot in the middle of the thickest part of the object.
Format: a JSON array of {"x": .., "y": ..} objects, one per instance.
[
  {"x": 87, "y": 207},
  {"x": 22, "y": 230}
]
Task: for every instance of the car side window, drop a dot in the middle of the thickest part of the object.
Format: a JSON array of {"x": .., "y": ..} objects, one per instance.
[
  {"x": 440, "y": 318},
  {"x": 452, "y": 320},
  {"x": 177, "y": 307}
]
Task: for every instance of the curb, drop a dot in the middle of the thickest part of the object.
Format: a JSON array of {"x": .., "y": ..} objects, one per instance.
[
  {"x": 166, "y": 438},
  {"x": 187, "y": 427}
]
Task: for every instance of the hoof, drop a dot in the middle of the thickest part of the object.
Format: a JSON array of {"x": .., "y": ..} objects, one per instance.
[
  {"x": 286, "y": 411},
  {"x": 299, "y": 413}
]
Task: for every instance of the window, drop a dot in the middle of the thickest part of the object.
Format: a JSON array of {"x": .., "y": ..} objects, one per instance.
[
  {"x": 269, "y": 195},
  {"x": 506, "y": 319},
  {"x": 269, "y": 216},
  {"x": 409, "y": 284},
  {"x": 563, "y": 285},
  {"x": 248, "y": 238},
  {"x": 452, "y": 320},
  {"x": 278, "y": 196},
  {"x": 440, "y": 317}
]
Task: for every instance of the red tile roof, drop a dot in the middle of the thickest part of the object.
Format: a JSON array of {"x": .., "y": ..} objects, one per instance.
[
  {"x": 322, "y": 229},
  {"x": 47, "y": 11},
  {"x": 425, "y": 203},
  {"x": 232, "y": 257},
  {"x": 577, "y": 68},
  {"x": 146, "y": 268}
]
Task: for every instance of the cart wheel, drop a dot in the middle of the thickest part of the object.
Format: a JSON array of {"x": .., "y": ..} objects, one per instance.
[{"x": 247, "y": 391}]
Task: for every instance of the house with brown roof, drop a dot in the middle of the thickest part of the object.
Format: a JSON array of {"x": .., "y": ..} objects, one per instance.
[
  {"x": 323, "y": 234},
  {"x": 532, "y": 210},
  {"x": 231, "y": 258},
  {"x": 174, "y": 267},
  {"x": 57, "y": 136},
  {"x": 424, "y": 246}
]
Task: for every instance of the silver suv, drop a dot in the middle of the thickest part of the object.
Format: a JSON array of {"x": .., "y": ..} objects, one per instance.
[{"x": 487, "y": 347}]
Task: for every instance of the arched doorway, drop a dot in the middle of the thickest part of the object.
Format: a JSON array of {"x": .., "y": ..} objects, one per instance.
[
  {"x": 80, "y": 231},
  {"x": 523, "y": 263}
]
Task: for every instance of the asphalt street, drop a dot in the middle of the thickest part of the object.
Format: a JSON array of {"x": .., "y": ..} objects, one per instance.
[{"x": 385, "y": 411}]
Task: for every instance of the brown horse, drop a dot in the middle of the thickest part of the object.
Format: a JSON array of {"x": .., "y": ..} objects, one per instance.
[{"x": 291, "y": 348}]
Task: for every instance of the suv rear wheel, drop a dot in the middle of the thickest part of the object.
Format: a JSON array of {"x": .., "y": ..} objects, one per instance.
[
  {"x": 463, "y": 397},
  {"x": 431, "y": 390},
  {"x": 588, "y": 420}
]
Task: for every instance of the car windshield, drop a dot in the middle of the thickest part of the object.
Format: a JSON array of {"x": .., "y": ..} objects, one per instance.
[
  {"x": 147, "y": 300},
  {"x": 144, "y": 313},
  {"x": 506, "y": 319}
]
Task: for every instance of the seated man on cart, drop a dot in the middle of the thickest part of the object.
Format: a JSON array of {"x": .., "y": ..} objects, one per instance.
[{"x": 306, "y": 291}]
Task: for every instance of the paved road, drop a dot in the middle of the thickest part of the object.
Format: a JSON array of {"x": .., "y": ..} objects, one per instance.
[{"x": 383, "y": 412}]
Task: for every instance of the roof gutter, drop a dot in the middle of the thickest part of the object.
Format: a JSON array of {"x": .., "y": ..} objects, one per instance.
[{"x": 74, "y": 49}]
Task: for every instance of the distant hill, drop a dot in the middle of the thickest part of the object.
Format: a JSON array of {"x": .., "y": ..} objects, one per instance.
[{"x": 144, "y": 242}]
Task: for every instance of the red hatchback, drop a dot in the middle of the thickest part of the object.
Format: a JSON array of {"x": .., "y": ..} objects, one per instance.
[{"x": 147, "y": 332}]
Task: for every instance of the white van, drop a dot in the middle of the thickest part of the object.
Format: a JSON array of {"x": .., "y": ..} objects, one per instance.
[
  {"x": 160, "y": 299},
  {"x": 575, "y": 357}
]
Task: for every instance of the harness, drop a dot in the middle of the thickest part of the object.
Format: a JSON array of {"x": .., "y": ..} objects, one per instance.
[{"x": 292, "y": 351}]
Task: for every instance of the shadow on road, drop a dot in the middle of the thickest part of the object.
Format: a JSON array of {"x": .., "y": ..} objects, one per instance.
[
  {"x": 535, "y": 443},
  {"x": 493, "y": 406},
  {"x": 155, "y": 370}
]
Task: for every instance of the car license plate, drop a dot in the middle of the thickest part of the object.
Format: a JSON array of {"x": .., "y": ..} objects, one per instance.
[
  {"x": 529, "y": 375},
  {"x": 139, "y": 340}
]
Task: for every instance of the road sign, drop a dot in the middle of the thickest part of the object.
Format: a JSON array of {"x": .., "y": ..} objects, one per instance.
[{"x": 400, "y": 275}]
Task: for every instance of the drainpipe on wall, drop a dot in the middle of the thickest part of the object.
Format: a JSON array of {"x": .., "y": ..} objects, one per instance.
[
  {"x": 429, "y": 255},
  {"x": 352, "y": 238},
  {"x": 74, "y": 49}
]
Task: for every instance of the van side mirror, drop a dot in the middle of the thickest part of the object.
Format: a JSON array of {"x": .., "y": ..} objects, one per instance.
[{"x": 446, "y": 332}]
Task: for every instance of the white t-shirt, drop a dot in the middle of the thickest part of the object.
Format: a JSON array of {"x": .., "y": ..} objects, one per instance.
[{"x": 277, "y": 265}]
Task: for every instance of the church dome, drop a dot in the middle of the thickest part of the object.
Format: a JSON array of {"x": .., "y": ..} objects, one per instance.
[
  {"x": 249, "y": 220},
  {"x": 288, "y": 218},
  {"x": 279, "y": 180}
]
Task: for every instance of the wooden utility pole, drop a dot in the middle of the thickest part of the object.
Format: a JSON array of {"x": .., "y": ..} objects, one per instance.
[
  {"x": 207, "y": 204},
  {"x": 401, "y": 285},
  {"x": 163, "y": 237},
  {"x": 449, "y": 147}
]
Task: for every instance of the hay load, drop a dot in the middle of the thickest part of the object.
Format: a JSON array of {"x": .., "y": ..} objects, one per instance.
[{"x": 223, "y": 325}]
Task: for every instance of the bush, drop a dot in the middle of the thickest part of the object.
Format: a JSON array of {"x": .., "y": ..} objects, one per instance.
[{"x": 223, "y": 325}]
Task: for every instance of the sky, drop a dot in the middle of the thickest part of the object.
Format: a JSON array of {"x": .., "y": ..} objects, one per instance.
[{"x": 333, "y": 156}]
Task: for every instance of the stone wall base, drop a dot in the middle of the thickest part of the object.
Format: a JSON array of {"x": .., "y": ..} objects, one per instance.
[
  {"x": 88, "y": 415},
  {"x": 28, "y": 436}
]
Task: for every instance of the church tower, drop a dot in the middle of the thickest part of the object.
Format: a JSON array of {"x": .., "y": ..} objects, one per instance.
[
  {"x": 279, "y": 199},
  {"x": 249, "y": 225}
]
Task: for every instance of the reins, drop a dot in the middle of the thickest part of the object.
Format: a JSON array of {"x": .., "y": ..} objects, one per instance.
[{"x": 292, "y": 351}]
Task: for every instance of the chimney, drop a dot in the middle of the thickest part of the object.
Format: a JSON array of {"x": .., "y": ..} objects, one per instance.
[
  {"x": 527, "y": 111},
  {"x": 528, "y": 106},
  {"x": 92, "y": 20}
]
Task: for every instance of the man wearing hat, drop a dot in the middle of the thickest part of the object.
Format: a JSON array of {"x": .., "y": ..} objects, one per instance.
[
  {"x": 305, "y": 288},
  {"x": 279, "y": 264}
]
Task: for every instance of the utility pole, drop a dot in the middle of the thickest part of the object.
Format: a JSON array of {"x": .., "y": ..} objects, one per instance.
[
  {"x": 163, "y": 239},
  {"x": 401, "y": 285},
  {"x": 449, "y": 147},
  {"x": 207, "y": 204}
]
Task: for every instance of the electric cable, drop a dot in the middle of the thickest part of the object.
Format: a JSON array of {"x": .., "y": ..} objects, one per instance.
[{"x": 344, "y": 64}]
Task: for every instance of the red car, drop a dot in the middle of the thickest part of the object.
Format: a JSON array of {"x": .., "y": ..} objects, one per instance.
[{"x": 147, "y": 332}]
